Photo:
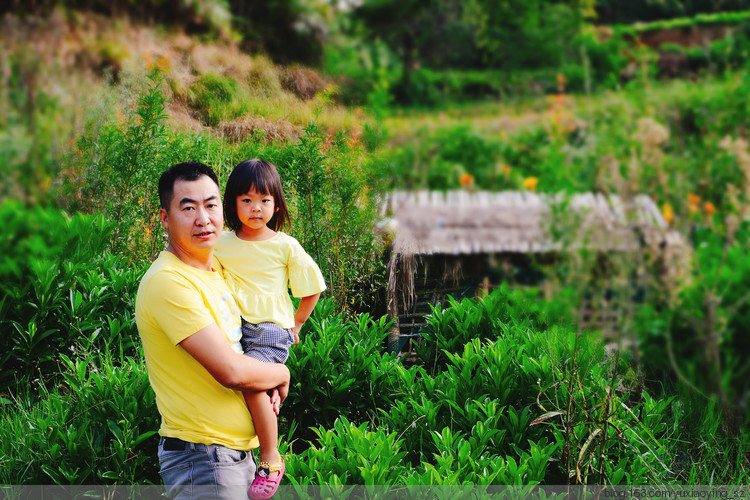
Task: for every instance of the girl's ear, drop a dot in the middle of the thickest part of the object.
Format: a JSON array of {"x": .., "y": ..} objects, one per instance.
[{"x": 275, "y": 209}]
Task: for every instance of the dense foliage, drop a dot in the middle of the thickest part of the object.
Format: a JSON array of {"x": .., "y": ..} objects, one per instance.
[{"x": 504, "y": 392}]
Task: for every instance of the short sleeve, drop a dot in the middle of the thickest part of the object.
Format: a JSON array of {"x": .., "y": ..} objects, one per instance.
[
  {"x": 305, "y": 278},
  {"x": 176, "y": 305},
  {"x": 216, "y": 263}
]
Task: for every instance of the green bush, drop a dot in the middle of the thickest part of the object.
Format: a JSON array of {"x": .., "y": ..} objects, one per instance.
[
  {"x": 115, "y": 169},
  {"x": 516, "y": 408},
  {"x": 379, "y": 457},
  {"x": 530, "y": 403},
  {"x": 701, "y": 338},
  {"x": 448, "y": 330},
  {"x": 62, "y": 291},
  {"x": 96, "y": 428},
  {"x": 338, "y": 369},
  {"x": 217, "y": 98},
  {"x": 439, "y": 158},
  {"x": 332, "y": 192},
  {"x": 34, "y": 127}
]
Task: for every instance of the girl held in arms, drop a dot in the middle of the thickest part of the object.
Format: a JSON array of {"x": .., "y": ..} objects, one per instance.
[{"x": 260, "y": 264}]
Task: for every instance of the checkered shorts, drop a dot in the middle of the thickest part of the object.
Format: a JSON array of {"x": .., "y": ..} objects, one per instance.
[{"x": 266, "y": 341}]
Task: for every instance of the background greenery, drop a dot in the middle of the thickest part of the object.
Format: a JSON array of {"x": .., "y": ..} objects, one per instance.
[{"x": 653, "y": 98}]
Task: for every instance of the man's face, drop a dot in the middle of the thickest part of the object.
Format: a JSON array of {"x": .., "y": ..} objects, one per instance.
[{"x": 195, "y": 218}]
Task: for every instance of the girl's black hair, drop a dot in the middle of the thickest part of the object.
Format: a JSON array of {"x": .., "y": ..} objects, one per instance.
[{"x": 262, "y": 176}]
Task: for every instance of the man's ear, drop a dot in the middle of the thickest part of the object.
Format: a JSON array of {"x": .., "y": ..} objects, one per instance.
[{"x": 163, "y": 218}]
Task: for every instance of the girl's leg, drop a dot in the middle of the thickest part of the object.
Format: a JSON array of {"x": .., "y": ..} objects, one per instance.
[{"x": 264, "y": 419}]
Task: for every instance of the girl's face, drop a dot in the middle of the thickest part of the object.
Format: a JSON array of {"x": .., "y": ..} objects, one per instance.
[{"x": 255, "y": 209}]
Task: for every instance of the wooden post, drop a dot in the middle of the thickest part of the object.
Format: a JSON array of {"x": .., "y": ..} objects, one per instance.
[{"x": 394, "y": 333}]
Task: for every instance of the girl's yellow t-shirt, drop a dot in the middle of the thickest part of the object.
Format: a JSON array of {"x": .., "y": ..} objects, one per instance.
[{"x": 261, "y": 273}]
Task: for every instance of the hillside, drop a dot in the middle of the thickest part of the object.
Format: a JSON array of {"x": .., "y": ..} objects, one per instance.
[{"x": 81, "y": 59}]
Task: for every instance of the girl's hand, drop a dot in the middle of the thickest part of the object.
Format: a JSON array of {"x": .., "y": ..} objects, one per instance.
[{"x": 295, "y": 330}]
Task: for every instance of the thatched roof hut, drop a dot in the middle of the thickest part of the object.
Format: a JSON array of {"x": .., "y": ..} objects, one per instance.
[{"x": 459, "y": 225}]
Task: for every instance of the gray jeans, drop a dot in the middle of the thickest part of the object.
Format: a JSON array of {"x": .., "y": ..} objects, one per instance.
[{"x": 194, "y": 470}]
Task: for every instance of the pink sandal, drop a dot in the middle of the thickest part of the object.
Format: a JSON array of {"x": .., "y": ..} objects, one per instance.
[{"x": 264, "y": 486}]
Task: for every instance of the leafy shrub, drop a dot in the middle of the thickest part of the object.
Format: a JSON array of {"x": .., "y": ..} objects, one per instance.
[
  {"x": 61, "y": 291},
  {"x": 217, "y": 98},
  {"x": 525, "y": 407},
  {"x": 448, "y": 330},
  {"x": 97, "y": 429},
  {"x": 338, "y": 369},
  {"x": 439, "y": 157},
  {"x": 700, "y": 338},
  {"x": 33, "y": 129},
  {"x": 378, "y": 457},
  {"x": 333, "y": 192},
  {"x": 115, "y": 170}
]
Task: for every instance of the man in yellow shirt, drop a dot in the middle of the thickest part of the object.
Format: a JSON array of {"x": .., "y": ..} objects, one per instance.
[{"x": 190, "y": 327}]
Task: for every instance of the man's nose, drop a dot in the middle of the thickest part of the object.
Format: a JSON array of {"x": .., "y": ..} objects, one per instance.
[{"x": 202, "y": 217}]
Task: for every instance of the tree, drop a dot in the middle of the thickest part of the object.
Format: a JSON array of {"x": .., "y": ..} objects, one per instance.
[
  {"x": 287, "y": 30},
  {"x": 421, "y": 33},
  {"x": 526, "y": 33},
  {"x": 451, "y": 34}
]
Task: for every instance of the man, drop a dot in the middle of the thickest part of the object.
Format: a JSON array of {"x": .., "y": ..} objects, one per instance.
[{"x": 190, "y": 327}]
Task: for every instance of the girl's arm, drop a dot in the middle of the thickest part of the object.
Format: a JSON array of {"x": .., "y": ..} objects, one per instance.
[{"x": 305, "y": 309}]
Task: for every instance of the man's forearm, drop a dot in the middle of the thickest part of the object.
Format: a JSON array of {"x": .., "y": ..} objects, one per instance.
[
  {"x": 254, "y": 375},
  {"x": 231, "y": 369}
]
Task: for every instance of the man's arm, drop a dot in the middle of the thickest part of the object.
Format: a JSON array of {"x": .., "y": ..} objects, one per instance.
[{"x": 234, "y": 370}]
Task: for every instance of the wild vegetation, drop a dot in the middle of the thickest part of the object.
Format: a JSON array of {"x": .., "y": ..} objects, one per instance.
[{"x": 503, "y": 389}]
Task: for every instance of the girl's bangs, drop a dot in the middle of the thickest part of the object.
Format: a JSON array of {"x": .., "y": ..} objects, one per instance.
[{"x": 262, "y": 183}]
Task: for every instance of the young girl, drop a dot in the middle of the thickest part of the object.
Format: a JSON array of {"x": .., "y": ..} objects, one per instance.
[{"x": 260, "y": 264}]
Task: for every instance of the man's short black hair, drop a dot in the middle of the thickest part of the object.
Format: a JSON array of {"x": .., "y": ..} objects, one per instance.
[{"x": 186, "y": 171}]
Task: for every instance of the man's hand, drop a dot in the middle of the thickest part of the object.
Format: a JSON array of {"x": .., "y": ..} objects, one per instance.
[
  {"x": 283, "y": 389},
  {"x": 276, "y": 401}
]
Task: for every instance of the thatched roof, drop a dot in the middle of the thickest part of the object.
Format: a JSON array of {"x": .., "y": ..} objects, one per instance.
[{"x": 460, "y": 222}]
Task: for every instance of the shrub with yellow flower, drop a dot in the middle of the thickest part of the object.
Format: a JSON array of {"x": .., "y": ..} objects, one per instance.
[
  {"x": 530, "y": 183},
  {"x": 667, "y": 212},
  {"x": 466, "y": 180},
  {"x": 709, "y": 208}
]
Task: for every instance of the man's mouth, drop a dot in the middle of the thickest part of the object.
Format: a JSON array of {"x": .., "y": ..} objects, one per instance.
[{"x": 204, "y": 234}]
